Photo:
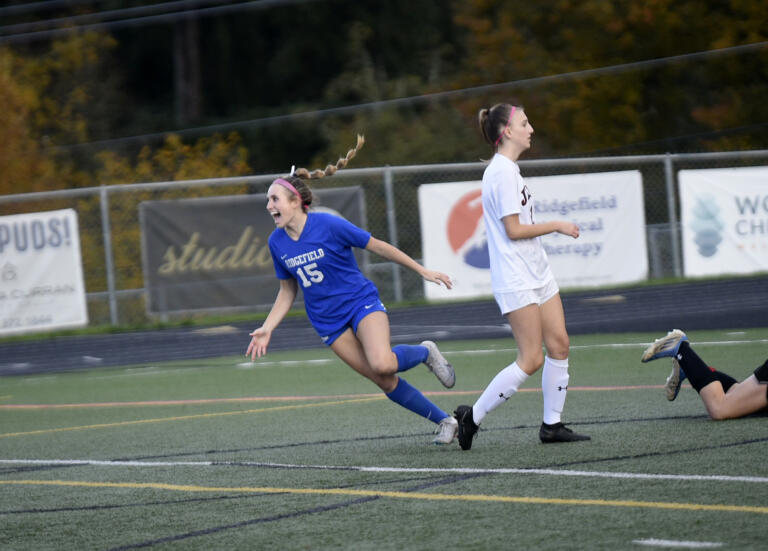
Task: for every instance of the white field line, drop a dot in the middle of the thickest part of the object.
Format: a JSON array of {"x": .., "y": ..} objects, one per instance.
[
  {"x": 257, "y": 364},
  {"x": 154, "y": 370},
  {"x": 428, "y": 470},
  {"x": 678, "y": 544},
  {"x": 603, "y": 346}
]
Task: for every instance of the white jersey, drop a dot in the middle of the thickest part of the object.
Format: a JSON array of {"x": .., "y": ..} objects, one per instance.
[{"x": 515, "y": 264}]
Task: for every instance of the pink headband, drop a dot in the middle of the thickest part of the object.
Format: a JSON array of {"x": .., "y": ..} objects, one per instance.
[
  {"x": 512, "y": 112},
  {"x": 289, "y": 186}
]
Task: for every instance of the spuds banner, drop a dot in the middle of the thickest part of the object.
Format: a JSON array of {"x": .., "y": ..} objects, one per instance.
[
  {"x": 724, "y": 218},
  {"x": 212, "y": 253},
  {"x": 41, "y": 273},
  {"x": 608, "y": 208}
]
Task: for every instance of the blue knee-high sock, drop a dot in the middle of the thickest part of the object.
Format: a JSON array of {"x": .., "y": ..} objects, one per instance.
[
  {"x": 412, "y": 399},
  {"x": 409, "y": 355}
]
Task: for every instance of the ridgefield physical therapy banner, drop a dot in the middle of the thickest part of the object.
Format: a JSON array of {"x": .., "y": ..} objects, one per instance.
[
  {"x": 212, "y": 253},
  {"x": 41, "y": 273},
  {"x": 608, "y": 207},
  {"x": 724, "y": 219}
]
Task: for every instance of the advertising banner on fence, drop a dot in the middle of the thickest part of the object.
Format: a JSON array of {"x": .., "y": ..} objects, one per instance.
[
  {"x": 724, "y": 219},
  {"x": 41, "y": 273},
  {"x": 212, "y": 253},
  {"x": 608, "y": 207}
]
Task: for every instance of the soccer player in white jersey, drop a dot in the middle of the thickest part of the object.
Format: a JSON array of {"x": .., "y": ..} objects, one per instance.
[
  {"x": 522, "y": 281},
  {"x": 314, "y": 250}
]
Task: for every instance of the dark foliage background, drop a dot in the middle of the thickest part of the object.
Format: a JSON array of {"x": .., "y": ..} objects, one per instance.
[{"x": 280, "y": 82}]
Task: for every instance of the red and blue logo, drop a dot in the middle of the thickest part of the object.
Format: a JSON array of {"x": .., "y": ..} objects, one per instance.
[{"x": 466, "y": 231}]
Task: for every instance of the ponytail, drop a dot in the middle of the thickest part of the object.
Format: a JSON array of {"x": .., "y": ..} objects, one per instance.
[
  {"x": 330, "y": 170},
  {"x": 298, "y": 177}
]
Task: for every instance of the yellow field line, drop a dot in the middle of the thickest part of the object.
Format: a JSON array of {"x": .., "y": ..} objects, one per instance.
[
  {"x": 187, "y": 417},
  {"x": 397, "y": 495},
  {"x": 205, "y": 401}
]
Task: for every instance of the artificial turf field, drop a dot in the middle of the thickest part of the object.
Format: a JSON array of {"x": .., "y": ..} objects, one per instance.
[{"x": 296, "y": 451}]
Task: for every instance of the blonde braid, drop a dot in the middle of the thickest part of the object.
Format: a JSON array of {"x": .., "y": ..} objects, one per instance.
[{"x": 331, "y": 169}]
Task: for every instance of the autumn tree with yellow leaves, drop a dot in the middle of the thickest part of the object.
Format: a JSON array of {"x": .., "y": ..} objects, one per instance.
[{"x": 53, "y": 102}]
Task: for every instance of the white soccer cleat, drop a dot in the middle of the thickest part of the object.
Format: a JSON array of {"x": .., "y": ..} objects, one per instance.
[
  {"x": 438, "y": 365},
  {"x": 446, "y": 431},
  {"x": 664, "y": 347},
  {"x": 675, "y": 379}
]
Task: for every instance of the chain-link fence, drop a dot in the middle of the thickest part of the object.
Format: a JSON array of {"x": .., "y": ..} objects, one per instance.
[{"x": 110, "y": 231}]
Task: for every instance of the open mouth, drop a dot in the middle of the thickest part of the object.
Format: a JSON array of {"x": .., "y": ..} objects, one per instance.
[{"x": 275, "y": 216}]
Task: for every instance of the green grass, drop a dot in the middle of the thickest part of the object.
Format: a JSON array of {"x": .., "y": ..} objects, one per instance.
[{"x": 305, "y": 408}]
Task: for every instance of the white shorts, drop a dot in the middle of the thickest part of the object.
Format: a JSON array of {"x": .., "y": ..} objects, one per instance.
[{"x": 514, "y": 300}]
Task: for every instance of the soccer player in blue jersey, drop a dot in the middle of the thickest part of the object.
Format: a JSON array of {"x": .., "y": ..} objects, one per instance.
[{"x": 314, "y": 250}]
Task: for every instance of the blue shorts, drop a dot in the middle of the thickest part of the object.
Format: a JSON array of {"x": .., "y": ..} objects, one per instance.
[{"x": 363, "y": 308}]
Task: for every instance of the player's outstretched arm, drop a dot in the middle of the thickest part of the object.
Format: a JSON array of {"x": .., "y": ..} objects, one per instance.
[
  {"x": 260, "y": 337},
  {"x": 516, "y": 230},
  {"x": 392, "y": 253}
]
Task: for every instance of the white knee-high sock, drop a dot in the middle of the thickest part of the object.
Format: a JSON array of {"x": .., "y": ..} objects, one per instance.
[
  {"x": 554, "y": 386},
  {"x": 501, "y": 388}
]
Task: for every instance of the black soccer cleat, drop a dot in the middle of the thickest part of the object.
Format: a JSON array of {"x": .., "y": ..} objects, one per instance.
[
  {"x": 549, "y": 434},
  {"x": 467, "y": 426}
]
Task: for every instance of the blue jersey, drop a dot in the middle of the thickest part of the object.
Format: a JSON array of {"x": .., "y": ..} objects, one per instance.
[{"x": 323, "y": 264}]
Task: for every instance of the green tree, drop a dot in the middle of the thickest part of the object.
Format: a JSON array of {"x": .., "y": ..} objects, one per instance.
[
  {"x": 412, "y": 133},
  {"x": 591, "y": 111},
  {"x": 214, "y": 157},
  {"x": 23, "y": 164},
  {"x": 273, "y": 62},
  {"x": 53, "y": 99}
]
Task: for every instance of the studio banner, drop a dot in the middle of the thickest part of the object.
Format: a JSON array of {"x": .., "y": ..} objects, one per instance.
[
  {"x": 608, "y": 208},
  {"x": 724, "y": 220},
  {"x": 212, "y": 253},
  {"x": 41, "y": 273}
]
